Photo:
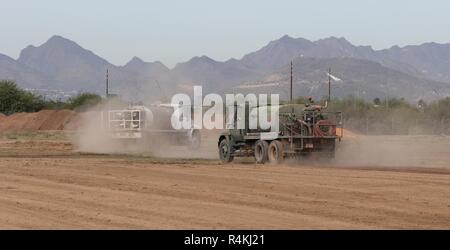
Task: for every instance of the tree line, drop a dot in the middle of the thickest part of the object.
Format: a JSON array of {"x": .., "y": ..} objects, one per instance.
[
  {"x": 14, "y": 99},
  {"x": 392, "y": 115}
]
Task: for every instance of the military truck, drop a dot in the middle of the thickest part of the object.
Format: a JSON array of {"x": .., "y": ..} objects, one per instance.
[{"x": 304, "y": 131}]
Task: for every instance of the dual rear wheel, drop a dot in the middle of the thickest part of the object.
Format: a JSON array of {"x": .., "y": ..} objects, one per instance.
[
  {"x": 273, "y": 152},
  {"x": 264, "y": 151}
]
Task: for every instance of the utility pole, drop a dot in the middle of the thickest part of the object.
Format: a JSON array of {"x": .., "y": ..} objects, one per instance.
[
  {"x": 107, "y": 84},
  {"x": 291, "y": 90},
  {"x": 329, "y": 84},
  {"x": 105, "y": 114},
  {"x": 291, "y": 82}
]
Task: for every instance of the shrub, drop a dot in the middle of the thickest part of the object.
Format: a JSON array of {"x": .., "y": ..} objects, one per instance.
[
  {"x": 83, "y": 101},
  {"x": 13, "y": 99}
]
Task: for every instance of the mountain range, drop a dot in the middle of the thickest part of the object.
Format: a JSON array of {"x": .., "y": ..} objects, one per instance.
[{"x": 413, "y": 72}]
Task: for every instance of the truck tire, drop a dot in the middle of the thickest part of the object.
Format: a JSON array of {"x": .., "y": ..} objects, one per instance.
[
  {"x": 261, "y": 151},
  {"x": 225, "y": 151},
  {"x": 275, "y": 152}
]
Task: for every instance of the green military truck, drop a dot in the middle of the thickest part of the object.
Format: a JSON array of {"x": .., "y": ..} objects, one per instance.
[{"x": 304, "y": 130}]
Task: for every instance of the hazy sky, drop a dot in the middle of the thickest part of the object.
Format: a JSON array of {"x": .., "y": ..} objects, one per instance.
[{"x": 174, "y": 31}]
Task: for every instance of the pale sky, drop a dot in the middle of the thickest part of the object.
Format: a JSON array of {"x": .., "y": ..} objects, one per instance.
[{"x": 174, "y": 31}]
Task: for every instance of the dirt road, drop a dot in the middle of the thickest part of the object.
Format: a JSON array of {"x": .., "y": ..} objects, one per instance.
[{"x": 44, "y": 184}]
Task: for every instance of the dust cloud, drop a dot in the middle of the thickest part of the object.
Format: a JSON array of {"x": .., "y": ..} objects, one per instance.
[
  {"x": 354, "y": 149},
  {"x": 394, "y": 150},
  {"x": 93, "y": 136}
]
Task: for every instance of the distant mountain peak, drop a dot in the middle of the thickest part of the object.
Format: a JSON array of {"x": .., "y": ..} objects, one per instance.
[
  {"x": 286, "y": 37},
  {"x": 203, "y": 62},
  {"x": 57, "y": 40},
  {"x": 137, "y": 64},
  {"x": 135, "y": 58},
  {"x": 135, "y": 61},
  {"x": 59, "y": 55},
  {"x": 54, "y": 42},
  {"x": 206, "y": 58},
  {"x": 333, "y": 39},
  {"x": 202, "y": 59}
]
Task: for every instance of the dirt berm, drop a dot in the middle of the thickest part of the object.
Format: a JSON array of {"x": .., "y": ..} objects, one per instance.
[{"x": 42, "y": 120}]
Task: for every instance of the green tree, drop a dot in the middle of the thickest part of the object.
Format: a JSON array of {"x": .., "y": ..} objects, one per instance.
[
  {"x": 13, "y": 99},
  {"x": 84, "y": 101}
]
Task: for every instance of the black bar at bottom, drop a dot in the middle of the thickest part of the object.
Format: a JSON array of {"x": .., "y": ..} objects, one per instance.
[{"x": 224, "y": 239}]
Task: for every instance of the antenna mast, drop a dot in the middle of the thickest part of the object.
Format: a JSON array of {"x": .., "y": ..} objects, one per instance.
[{"x": 329, "y": 84}]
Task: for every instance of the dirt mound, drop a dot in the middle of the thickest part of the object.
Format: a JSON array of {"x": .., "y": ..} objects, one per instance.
[
  {"x": 13, "y": 122},
  {"x": 35, "y": 120},
  {"x": 79, "y": 121},
  {"x": 58, "y": 120},
  {"x": 42, "y": 120}
]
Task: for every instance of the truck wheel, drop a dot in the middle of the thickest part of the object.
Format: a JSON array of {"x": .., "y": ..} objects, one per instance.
[
  {"x": 261, "y": 151},
  {"x": 275, "y": 152},
  {"x": 225, "y": 151}
]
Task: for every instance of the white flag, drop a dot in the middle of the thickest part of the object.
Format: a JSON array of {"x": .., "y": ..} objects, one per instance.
[{"x": 334, "y": 78}]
